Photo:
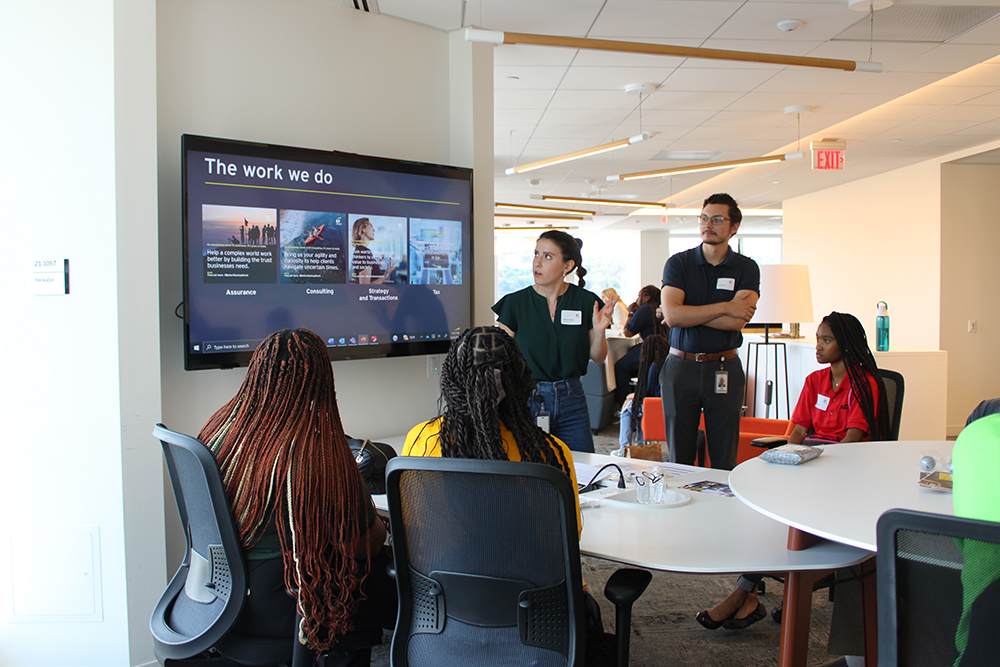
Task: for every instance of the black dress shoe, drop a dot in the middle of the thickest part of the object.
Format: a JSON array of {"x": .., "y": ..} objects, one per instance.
[
  {"x": 707, "y": 622},
  {"x": 759, "y": 612}
]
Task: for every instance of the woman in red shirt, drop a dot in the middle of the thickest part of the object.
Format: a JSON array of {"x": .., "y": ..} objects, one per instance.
[{"x": 829, "y": 410}]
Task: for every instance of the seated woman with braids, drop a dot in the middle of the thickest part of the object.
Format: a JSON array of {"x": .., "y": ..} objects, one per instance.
[
  {"x": 484, "y": 412},
  {"x": 829, "y": 410},
  {"x": 303, "y": 513}
]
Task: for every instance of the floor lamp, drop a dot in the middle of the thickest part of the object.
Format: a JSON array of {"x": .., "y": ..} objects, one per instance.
[{"x": 785, "y": 296}]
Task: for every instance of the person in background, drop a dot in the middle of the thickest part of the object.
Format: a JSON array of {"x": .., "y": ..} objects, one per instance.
[
  {"x": 483, "y": 408},
  {"x": 845, "y": 402},
  {"x": 620, "y": 315},
  {"x": 303, "y": 514},
  {"x": 643, "y": 323},
  {"x": 559, "y": 328},
  {"x": 654, "y": 351}
]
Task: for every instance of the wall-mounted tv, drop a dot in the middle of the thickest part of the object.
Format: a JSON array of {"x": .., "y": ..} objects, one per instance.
[{"x": 373, "y": 254}]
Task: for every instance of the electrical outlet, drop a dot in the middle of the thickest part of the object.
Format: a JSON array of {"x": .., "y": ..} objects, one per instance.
[
  {"x": 434, "y": 365},
  {"x": 972, "y": 326}
]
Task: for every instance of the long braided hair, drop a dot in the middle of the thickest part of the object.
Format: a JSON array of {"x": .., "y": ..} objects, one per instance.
[
  {"x": 481, "y": 362},
  {"x": 284, "y": 458},
  {"x": 860, "y": 365},
  {"x": 654, "y": 350},
  {"x": 570, "y": 248}
]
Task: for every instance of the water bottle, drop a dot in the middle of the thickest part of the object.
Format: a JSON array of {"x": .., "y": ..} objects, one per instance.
[
  {"x": 882, "y": 327},
  {"x": 641, "y": 490},
  {"x": 659, "y": 486}
]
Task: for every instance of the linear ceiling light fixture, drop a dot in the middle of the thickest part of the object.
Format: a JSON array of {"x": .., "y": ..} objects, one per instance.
[
  {"x": 496, "y": 37},
  {"x": 609, "y": 202},
  {"x": 543, "y": 209},
  {"x": 586, "y": 152},
  {"x": 710, "y": 166}
]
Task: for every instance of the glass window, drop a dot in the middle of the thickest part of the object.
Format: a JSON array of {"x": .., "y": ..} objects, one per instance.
[
  {"x": 762, "y": 249},
  {"x": 610, "y": 258}
]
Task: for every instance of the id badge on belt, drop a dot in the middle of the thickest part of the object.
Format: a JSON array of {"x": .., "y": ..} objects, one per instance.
[{"x": 721, "y": 382}]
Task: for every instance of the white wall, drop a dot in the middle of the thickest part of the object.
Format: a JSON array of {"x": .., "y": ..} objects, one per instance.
[
  {"x": 877, "y": 239},
  {"x": 81, "y": 373},
  {"x": 920, "y": 238},
  {"x": 318, "y": 74},
  {"x": 970, "y": 274}
]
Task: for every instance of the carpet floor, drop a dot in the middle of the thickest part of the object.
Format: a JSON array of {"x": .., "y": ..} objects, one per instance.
[{"x": 664, "y": 631}]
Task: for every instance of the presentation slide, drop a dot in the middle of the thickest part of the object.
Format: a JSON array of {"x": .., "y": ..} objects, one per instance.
[{"x": 369, "y": 253}]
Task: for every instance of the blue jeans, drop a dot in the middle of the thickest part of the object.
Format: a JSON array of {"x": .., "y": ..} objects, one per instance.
[
  {"x": 625, "y": 428},
  {"x": 569, "y": 419}
]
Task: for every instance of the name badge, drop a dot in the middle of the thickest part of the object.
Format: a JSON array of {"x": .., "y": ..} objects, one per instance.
[
  {"x": 573, "y": 318},
  {"x": 726, "y": 284},
  {"x": 822, "y": 402}
]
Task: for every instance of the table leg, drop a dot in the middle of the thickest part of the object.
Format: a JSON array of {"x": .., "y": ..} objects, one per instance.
[
  {"x": 797, "y": 612},
  {"x": 869, "y": 596}
]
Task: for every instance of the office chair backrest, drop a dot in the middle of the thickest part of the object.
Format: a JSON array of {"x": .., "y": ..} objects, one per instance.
[
  {"x": 893, "y": 382},
  {"x": 938, "y": 590},
  {"x": 487, "y": 563},
  {"x": 206, "y": 594}
]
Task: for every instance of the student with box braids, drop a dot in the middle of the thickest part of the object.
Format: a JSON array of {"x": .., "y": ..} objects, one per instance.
[
  {"x": 483, "y": 407},
  {"x": 303, "y": 513}
]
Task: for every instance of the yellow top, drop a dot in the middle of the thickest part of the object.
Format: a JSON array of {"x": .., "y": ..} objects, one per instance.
[{"x": 423, "y": 440}]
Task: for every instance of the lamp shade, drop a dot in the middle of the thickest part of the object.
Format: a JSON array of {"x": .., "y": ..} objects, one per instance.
[{"x": 785, "y": 295}]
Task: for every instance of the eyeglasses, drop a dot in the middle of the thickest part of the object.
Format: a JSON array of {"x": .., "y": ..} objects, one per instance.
[{"x": 715, "y": 220}]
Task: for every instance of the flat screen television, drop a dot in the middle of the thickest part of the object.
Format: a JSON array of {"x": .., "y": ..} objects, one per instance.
[{"x": 372, "y": 254}]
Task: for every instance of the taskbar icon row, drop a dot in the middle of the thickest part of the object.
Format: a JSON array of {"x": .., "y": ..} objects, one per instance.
[{"x": 373, "y": 339}]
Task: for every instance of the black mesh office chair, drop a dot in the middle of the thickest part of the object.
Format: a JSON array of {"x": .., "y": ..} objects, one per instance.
[
  {"x": 894, "y": 387},
  {"x": 488, "y": 566},
  {"x": 927, "y": 565},
  {"x": 201, "y": 603}
]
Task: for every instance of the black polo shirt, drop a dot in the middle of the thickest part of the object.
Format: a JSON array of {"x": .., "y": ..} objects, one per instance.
[{"x": 704, "y": 284}]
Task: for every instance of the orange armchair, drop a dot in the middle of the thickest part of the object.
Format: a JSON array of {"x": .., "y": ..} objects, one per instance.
[{"x": 752, "y": 428}]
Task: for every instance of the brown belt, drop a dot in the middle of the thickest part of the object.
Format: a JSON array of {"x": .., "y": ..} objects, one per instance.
[{"x": 704, "y": 356}]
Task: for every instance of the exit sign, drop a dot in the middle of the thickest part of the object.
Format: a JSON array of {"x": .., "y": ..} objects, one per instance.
[
  {"x": 828, "y": 159},
  {"x": 828, "y": 154}
]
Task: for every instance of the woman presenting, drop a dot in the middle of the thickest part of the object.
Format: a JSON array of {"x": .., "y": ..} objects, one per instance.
[{"x": 559, "y": 328}]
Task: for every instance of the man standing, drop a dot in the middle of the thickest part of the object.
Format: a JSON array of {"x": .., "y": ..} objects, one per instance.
[{"x": 709, "y": 293}]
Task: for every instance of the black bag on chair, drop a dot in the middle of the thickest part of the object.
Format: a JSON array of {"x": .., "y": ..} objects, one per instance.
[{"x": 371, "y": 458}]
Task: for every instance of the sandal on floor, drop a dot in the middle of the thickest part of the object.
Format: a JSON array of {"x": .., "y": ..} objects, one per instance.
[
  {"x": 759, "y": 612},
  {"x": 706, "y": 621}
]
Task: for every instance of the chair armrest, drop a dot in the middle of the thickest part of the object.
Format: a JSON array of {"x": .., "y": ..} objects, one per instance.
[
  {"x": 769, "y": 443},
  {"x": 626, "y": 585}
]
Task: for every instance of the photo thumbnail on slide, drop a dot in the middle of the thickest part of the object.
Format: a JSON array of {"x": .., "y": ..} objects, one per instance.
[
  {"x": 313, "y": 247},
  {"x": 378, "y": 249},
  {"x": 239, "y": 244},
  {"x": 435, "y": 252}
]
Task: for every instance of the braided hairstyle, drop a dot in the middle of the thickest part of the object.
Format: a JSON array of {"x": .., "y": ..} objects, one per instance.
[
  {"x": 650, "y": 294},
  {"x": 482, "y": 362},
  {"x": 284, "y": 459},
  {"x": 860, "y": 365},
  {"x": 570, "y": 249},
  {"x": 654, "y": 350}
]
